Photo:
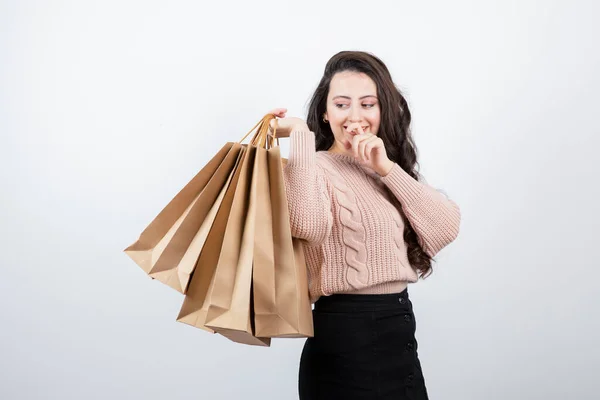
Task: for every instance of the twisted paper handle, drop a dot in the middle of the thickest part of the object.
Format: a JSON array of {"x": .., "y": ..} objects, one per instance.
[{"x": 262, "y": 138}]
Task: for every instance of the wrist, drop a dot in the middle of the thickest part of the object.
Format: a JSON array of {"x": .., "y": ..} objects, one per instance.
[{"x": 386, "y": 168}]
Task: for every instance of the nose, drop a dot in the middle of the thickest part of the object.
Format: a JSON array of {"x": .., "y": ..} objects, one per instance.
[{"x": 354, "y": 115}]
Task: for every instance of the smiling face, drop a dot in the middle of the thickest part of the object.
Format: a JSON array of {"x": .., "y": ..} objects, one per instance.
[{"x": 352, "y": 101}]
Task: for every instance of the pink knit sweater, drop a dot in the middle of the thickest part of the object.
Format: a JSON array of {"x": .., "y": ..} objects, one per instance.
[{"x": 349, "y": 218}]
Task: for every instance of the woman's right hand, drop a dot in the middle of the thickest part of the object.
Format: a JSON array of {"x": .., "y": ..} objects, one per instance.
[{"x": 285, "y": 126}]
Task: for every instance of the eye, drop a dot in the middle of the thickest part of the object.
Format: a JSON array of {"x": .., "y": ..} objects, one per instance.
[
  {"x": 369, "y": 105},
  {"x": 340, "y": 105}
]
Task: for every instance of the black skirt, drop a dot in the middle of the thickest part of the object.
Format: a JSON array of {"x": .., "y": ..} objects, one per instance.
[{"x": 364, "y": 347}]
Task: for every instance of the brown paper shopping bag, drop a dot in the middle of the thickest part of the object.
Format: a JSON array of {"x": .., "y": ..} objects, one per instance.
[
  {"x": 168, "y": 248},
  {"x": 230, "y": 309},
  {"x": 249, "y": 256},
  {"x": 221, "y": 282},
  {"x": 195, "y": 305},
  {"x": 281, "y": 299}
]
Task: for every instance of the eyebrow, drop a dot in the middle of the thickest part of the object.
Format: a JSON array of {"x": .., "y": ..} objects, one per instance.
[{"x": 347, "y": 97}]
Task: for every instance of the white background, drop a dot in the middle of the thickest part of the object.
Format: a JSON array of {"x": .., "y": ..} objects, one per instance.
[{"x": 108, "y": 108}]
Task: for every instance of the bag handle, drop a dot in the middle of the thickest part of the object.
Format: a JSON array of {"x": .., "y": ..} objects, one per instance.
[{"x": 261, "y": 137}]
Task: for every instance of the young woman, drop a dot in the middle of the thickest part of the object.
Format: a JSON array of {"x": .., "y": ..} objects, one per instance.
[{"x": 369, "y": 226}]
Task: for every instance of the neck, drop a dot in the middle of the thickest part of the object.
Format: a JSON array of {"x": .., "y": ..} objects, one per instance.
[{"x": 339, "y": 148}]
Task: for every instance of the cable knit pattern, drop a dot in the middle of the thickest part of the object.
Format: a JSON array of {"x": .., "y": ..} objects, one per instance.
[
  {"x": 351, "y": 221},
  {"x": 353, "y": 231}
]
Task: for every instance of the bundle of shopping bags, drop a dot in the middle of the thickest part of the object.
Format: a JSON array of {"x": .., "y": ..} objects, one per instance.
[{"x": 225, "y": 242}]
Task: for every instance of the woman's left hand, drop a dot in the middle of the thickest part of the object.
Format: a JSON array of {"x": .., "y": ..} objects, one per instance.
[{"x": 370, "y": 150}]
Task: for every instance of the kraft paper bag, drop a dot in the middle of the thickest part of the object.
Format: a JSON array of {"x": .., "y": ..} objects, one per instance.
[
  {"x": 263, "y": 273},
  {"x": 230, "y": 309},
  {"x": 248, "y": 268},
  {"x": 281, "y": 299},
  {"x": 163, "y": 249},
  {"x": 195, "y": 305}
]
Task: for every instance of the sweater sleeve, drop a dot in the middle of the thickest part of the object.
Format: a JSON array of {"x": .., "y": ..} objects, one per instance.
[
  {"x": 434, "y": 217},
  {"x": 308, "y": 193}
]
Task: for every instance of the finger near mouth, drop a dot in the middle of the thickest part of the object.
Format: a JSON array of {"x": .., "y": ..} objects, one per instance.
[{"x": 364, "y": 128}]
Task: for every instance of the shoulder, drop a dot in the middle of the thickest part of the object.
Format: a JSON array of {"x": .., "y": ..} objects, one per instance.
[
  {"x": 341, "y": 164},
  {"x": 323, "y": 158},
  {"x": 327, "y": 159},
  {"x": 331, "y": 165}
]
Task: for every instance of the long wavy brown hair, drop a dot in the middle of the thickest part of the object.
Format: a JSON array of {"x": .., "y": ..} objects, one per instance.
[{"x": 394, "y": 129}]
